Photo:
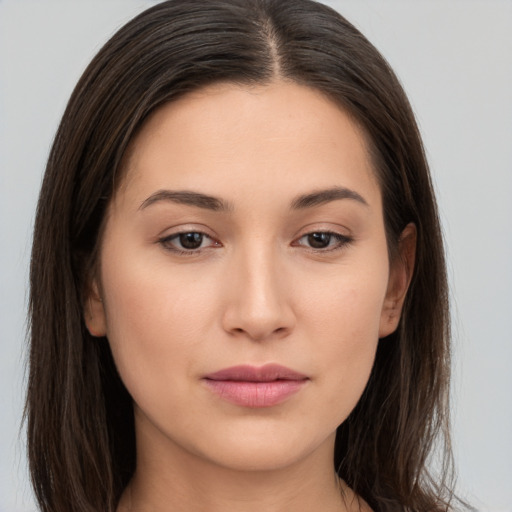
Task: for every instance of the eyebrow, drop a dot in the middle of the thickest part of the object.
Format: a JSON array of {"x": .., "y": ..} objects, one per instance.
[
  {"x": 188, "y": 198},
  {"x": 215, "y": 204},
  {"x": 320, "y": 197}
]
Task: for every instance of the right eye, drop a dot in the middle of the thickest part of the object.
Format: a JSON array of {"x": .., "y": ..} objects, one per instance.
[{"x": 188, "y": 242}]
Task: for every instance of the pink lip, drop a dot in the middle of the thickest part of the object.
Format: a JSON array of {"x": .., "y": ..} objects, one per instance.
[{"x": 251, "y": 386}]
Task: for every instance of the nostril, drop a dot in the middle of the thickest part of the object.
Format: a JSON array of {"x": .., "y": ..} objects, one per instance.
[{"x": 260, "y": 333}]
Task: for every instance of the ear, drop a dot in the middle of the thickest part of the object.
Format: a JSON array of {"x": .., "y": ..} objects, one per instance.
[
  {"x": 400, "y": 275},
  {"x": 94, "y": 311}
]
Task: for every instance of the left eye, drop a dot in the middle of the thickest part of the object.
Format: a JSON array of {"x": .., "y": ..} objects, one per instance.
[
  {"x": 323, "y": 240},
  {"x": 187, "y": 241}
]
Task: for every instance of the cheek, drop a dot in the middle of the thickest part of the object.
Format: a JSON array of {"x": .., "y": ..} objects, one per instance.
[
  {"x": 347, "y": 303},
  {"x": 343, "y": 318},
  {"x": 155, "y": 321}
]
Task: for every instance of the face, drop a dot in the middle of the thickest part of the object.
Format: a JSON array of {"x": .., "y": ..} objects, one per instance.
[{"x": 244, "y": 278}]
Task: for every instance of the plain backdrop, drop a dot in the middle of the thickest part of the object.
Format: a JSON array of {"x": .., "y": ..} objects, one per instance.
[{"x": 454, "y": 58}]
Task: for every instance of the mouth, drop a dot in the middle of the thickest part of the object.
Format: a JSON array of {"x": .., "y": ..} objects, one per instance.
[{"x": 255, "y": 387}]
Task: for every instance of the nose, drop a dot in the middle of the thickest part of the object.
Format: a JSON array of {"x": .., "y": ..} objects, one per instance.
[{"x": 258, "y": 305}]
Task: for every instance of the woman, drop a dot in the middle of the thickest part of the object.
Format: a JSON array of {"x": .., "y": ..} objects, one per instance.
[{"x": 238, "y": 291}]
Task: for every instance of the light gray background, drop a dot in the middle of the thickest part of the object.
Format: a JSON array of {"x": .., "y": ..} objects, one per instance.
[{"x": 455, "y": 60}]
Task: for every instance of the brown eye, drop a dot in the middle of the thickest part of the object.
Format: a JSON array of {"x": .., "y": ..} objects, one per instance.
[
  {"x": 323, "y": 241},
  {"x": 188, "y": 242},
  {"x": 191, "y": 240},
  {"x": 319, "y": 240}
]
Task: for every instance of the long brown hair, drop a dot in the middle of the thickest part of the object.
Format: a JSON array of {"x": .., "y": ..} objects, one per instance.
[{"x": 81, "y": 440}]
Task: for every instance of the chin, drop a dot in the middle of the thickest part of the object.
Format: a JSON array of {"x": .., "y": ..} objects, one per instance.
[{"x": 265, "y": 449}]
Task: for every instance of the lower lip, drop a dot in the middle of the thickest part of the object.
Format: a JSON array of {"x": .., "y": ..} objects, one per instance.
[{"x": 255, "y": 394}]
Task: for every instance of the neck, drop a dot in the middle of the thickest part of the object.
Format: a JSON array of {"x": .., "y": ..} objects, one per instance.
[{"x": 174, "y": 479}]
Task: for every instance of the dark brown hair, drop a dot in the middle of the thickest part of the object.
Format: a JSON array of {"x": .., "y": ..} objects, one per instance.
[{"x": 81, "y": 439}]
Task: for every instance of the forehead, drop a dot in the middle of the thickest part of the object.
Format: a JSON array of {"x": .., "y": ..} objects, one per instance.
[{"x": 282, "y": 135}]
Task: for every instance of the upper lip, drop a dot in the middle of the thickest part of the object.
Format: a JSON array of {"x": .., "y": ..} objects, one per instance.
[{"x": 248, "y": 373}]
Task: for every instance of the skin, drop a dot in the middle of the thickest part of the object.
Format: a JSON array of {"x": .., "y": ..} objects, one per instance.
[{"x": 256, "y": 292}]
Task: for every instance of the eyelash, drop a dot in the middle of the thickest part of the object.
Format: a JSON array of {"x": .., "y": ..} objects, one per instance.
[
  {"x": 340, "y": 242},
  {"x": 167, "y": 243}
]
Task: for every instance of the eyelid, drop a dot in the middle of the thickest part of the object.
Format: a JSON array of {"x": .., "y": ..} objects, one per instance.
[
  {"x": 343, "y": 240},
  {"x": 166, "y": 241}
]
